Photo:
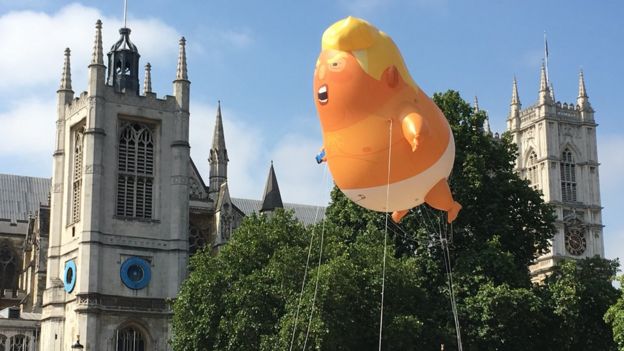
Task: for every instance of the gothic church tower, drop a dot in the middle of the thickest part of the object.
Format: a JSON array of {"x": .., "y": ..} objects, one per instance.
[
  {"x": 557, "y": 153},
  {"x": 118, "y": 242}
]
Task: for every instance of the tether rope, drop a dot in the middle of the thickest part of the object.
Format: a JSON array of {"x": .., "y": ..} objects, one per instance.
[
  {"x": 383, "y": 271},
  {"x": 305, "y": 272},
  {"x": 318, "y": 275}
]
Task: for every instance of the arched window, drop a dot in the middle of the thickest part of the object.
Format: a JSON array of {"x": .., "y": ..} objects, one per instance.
[
  {"x": 197, "y": 240},
  {"x": 531, "y": 169},
  {"x": 8, "y": 268},
  {"x": 135, "y": 171},
  {"x": 130, "y": 339},
  {"x": 568, "y": 177},
  {"x": 77, "y": 173},
  {"x": 19, "y": 342},
  {"x": 3, "y": 341}
]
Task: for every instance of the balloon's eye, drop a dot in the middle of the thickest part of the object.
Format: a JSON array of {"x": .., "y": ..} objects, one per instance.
[{"x": 337, "y": 65}]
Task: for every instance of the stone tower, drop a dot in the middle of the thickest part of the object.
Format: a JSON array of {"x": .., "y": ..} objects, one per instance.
[
  {"x": 557, "y": 153},
  {"x": 218, "y": 158},
  {"x": 119, "y": 217}
]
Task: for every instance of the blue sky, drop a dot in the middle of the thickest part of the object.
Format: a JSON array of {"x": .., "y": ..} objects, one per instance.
[{"x": 257, "y": 57}]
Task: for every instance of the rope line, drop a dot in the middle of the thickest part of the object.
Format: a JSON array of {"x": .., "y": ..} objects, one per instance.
[
  {"x": 318, "y": 275},
  {"x": 383, "y": 271},
  {"x": 305, "y": 272}
]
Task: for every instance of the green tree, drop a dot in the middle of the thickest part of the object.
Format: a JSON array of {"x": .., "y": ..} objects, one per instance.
[
  {"x": 232, "y": 301},
  {"x": 247, "y": 296},
  {"x": 615, "y": 318},
  {"x": 579, "y": 293}
]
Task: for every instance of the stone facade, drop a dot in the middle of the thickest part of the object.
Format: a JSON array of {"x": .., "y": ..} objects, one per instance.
[
  {"x": 98, "y": 251},
  {"x": 120, "y": 194},
  {"x": 557, "y": 153}
]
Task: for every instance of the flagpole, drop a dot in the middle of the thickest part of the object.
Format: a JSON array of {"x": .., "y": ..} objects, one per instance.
[{"x": 546, "y": 58}]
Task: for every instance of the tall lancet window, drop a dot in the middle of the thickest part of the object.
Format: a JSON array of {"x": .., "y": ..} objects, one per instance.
[
  {"x": 77, "y": 168},
  {"x": 130, "y": 339},
  {"x": 531, "y": 170},
  {"x": 568, "y": 177},
  {"x": 135, "y": 180}
]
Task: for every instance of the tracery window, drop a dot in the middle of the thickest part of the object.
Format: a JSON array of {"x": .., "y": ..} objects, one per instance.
[
  {"x": 130, "y": 339},
  {"x": 8, "y": 268},
  {"x": 197, "y": 239},
  {"x": 19, "y": 342},
  {"x": 77, "y": 173},
  {"x": 532, "y": 173},
  {"x": 135, "y": 179},
  {"x": 568, "y": 177}
]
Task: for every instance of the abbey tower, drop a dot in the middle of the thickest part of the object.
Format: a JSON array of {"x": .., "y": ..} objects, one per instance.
[
  {"x": 119, "y": 220},
  {"x": 557, "y": 153}
]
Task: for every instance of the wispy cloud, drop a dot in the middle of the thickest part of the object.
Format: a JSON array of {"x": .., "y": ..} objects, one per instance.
[
  {"x": 36, "y": 41},
  {"x": 611, "y": 169}
]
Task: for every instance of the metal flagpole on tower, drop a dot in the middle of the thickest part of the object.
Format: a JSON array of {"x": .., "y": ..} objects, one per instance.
[
  {"x": 546, "y": 58},
  {"x": 126, "y": 14}
]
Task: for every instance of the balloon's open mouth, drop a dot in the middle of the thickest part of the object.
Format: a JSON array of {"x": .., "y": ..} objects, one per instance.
[{"x": 322, "y": 94}]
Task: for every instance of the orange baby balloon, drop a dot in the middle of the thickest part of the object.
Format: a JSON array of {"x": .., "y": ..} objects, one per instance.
[{"x": 387, "y": 144}]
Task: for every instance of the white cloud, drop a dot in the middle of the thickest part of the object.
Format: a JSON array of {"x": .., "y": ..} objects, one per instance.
[
  {"x": 611, "y": 188},
  {"x": 33, "y": 44},
  {"x": 300, "y": 178},
  {"x": 28, "y": 128},
  {"x": 244, "y": 144}
]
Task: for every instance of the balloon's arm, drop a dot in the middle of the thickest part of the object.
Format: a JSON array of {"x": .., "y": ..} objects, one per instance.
[
  {"x": 414, "y": 125},
  {"x": 321, "y": 157}
]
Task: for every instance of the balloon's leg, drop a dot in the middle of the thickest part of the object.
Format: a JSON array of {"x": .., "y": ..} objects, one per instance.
[
  {"x": 440, "y": 197},
  {"x": 398, "y": 215}
]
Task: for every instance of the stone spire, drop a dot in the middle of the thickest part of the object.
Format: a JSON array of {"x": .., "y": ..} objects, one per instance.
[
  {"x": 475, "y": 105},
  {"x": 582, "y": 93},
  {"x": 97, "y": 70},
  {"x": 544, "y": 92},
  {"x": 513, "y": 121},
  {"x": 181, "y": 73},
  {"x": 582, "y": 100},
  {"x": 218, "y": 157},
  {"x": 272, "y": 198},
  {"x": 98, "y": 52},
  {"x": 515, "y": 99},
  {"x": 147, "y": 83},
  {"x": 66, "y": 76},
  {"x": 181, "y": 85},
  {"x": 218, "y": 137}
]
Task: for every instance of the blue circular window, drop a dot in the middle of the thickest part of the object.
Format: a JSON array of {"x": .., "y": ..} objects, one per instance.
[
  {"x": 69, "y": 275},
  {"x": 135, "y": 273}
]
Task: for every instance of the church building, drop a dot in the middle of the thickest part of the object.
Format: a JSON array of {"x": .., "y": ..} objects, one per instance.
[
  {"x": 94, "y": 256},
  {"x": 557, "y": 154}
]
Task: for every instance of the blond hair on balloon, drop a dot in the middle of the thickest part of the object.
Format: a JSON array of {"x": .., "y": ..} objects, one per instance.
[{"x": 374, "y": 50}]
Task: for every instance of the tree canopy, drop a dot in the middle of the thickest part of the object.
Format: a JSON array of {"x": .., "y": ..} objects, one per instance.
[{"x": 250, "y": 296}]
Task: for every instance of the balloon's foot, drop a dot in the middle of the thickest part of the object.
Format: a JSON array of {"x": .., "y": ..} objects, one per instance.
[
  {"x": 398, "y": 215},
  {"x": 453, "y": 211}
]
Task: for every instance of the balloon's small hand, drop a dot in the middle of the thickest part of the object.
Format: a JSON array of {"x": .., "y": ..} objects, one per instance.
[
  {"x": 320, "y": 158},
  {"x": 414, "y": 143},
  {"x": 413, "y": 126}
]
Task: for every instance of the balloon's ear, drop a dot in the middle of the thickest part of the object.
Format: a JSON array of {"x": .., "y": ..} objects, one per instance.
[{"x": 391, "y": 76}]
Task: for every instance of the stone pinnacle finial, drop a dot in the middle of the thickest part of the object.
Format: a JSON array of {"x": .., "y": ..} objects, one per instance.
[
  {"x": 98, "y": 56},
  {"x": 476, "y": 104},
  {"x": 582, "y": 93},
  {"x": 181, "y": 73},
  {"x": 66, "y": 77},
  {"x": 543, "y": 80},
  {"x": 515, "y": 99},
  {"x": 218, "y": 139},
  {"x": 147, "y": 83}
]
